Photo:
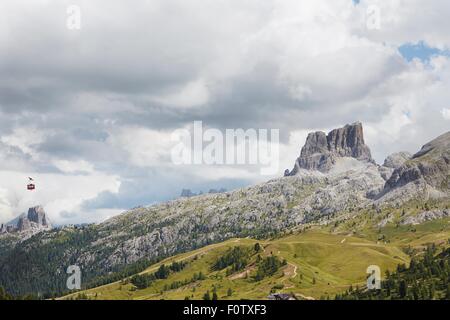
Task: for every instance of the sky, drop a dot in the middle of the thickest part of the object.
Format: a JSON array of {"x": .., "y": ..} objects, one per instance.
[{"x": 89, "y": 112}]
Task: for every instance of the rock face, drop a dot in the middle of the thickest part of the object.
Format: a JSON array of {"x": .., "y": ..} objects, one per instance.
[
  {"x": 24, "y": 224},
  {"x": 426, "y": 216},
  {"x": 321, "y": 151},
  {"x": 351, "y": 185},
  {"x": 34, "y": 221},
  {"x": 396, "y": 160},
  {"x": 187, "y": 193},
  {"x": 429, "y": 167},
  {"x": 37, "y": 215}
]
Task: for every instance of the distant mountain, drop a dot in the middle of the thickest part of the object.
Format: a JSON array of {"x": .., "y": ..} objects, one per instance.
[
  {"x": 28, "y": 224},
  {"x": 187, "y": 193},
  {"x": 14, "y": 221},
  {"x": 333, "y": 181}
]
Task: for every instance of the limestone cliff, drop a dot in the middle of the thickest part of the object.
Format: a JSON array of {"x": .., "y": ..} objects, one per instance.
[{"x": 321, "y": 150}]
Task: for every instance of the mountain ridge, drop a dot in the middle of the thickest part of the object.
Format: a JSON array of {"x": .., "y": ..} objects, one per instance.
[{"x": 348, "y": 189}]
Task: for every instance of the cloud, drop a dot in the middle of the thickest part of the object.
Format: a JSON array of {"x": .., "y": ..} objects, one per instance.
[
  {"x": 192, "y": 94},
  {"x": 96, "y": 106},
  {"x": 143, "y": 147},
  {"x": 57, "y": 193},
  {"x": 407, "y": 22},
  {"x": 446, "y": 113},
  {"x": 80, "y": 166}
]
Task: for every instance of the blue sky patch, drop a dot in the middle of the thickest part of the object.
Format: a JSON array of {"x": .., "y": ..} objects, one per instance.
[{"x": 420, "y": 50}]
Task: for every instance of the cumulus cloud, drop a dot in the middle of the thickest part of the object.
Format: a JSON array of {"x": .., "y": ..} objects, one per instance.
[
  {"x": 58, "y": 193},
  {"x": 96, "y": 107},
  {"x": 446, "y": 113}
]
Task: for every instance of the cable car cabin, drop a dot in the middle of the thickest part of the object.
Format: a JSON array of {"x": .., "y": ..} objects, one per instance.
[{"x": 31, "y": 186}]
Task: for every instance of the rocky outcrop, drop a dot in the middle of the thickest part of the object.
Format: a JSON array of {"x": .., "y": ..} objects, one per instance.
[
  {"x": 350, "y": 187},
  {"x": 38, "y": 216},
  {"x": 321, "y": 151},
  {"x": 429, "y": 167},
  {"x": 187, "y": 193},
  {"x": 392, "y": 162},
  {"x": 213, "y": 191},
  {"x": 396, "y": 160},
  {"x": 315, "y": 154},
  {"x": 425, "y": 216},
  {"x": 34, "y": 221},
  {"x": 24, "y": 224},
  {"x": 349, "y": 142}
]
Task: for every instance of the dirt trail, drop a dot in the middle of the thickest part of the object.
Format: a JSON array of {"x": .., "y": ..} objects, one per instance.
[
  {"x": 295, "y": 270},
  {"x": 243, "y": 274}
]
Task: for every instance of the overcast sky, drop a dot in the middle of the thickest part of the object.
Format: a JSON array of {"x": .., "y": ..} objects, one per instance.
[{"x": 89, "y": 113}]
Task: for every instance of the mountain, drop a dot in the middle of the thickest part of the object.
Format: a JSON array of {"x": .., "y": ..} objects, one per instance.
[
  {"x": 321, "y": 151},
  {"x": 334, "y": 184},
  {"x": 36, "y": 219},
  {"x": 187, "y": 193},
  {"x": 427, "y": 172},
  {"x": 396, "y": 160},
  {"x": 33, "y": 222},
  {"x": 424, "y": 279},
  {"x": 313, "y": 264},
  {"x": 233, "y": 266},
  {"x": 23, "y": 227}
]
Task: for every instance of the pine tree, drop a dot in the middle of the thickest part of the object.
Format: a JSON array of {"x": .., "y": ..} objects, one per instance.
[
  {"x": 402, "y": 289},
  {"x": 3, "y": 294}
]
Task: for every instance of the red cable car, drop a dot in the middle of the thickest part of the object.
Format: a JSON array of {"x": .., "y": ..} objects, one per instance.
[{"x": 31, "y": 186}]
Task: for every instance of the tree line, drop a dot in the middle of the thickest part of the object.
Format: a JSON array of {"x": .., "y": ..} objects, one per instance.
[{"x": 426, "y": 278}]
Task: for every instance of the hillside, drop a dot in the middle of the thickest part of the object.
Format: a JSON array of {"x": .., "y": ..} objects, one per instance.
[
  {"x": 426, "y": 278},
  {"x": 318, "y": 263},
  {"x": 335, "y": 184}
]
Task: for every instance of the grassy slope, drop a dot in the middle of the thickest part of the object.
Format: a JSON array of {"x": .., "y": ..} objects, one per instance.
[{"x": 334, "y": 260}]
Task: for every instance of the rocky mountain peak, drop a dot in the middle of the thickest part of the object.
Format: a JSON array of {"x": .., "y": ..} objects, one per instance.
[
  {"x": 396, "y": 160},
  {"x": 35, "y": 220},
  {"x": 437, "y": 147},
  {"x": 37, "y": 215},
  {"x": 321, "y": 150},
  {"x": 349, "y": 142}
]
